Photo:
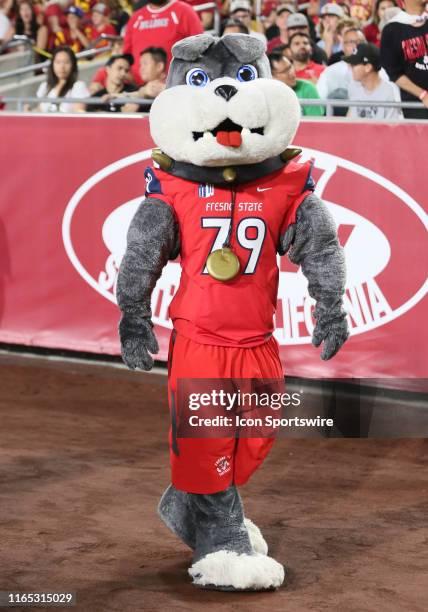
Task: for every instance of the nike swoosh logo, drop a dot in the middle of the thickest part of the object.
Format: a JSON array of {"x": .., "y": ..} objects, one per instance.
[{"x": 263, "y": 188}]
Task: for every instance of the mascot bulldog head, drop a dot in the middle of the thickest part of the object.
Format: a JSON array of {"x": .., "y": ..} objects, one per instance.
[{"x": 221, "y": 105}]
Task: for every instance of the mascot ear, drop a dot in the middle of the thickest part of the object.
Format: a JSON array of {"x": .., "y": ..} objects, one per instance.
[
  {"x": 189, "y": 49},
  {"x": 243, "y": 47}
]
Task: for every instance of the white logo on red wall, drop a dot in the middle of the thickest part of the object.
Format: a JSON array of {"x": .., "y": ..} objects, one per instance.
[{"x": 379, "y": 225}]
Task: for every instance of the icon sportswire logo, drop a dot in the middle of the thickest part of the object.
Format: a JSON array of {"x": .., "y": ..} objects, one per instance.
[{"x": 374, "y": 245}]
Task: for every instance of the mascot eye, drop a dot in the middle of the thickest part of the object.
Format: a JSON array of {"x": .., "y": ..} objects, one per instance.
[
  {"x": 197, "y": 77},
  {"x": 246, "y": 73}
]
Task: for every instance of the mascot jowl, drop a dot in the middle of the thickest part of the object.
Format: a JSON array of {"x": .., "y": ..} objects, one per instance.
[{"x": 227, "y": 196}]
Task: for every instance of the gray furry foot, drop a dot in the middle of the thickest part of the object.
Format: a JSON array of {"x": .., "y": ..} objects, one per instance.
[
  {"x": 174, "y": 510},
  {"x": 224, "y": 558},
  {"x": 229, "y": 571}
]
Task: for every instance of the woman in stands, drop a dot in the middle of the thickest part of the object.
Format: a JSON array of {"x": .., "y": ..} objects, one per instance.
[
  {"x": 372, "y": 31},
  {"x": 27, "y": 24},
  {"x": 62, "y": 83}
]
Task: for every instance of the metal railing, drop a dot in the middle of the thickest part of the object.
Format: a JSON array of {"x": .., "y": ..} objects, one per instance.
[
  {"x": 145, "y": 102},
  {"x": 21, "y": 101},
  {"x": 330, "y": 103},
  {"x": 17, "y": 41},
  {"x": 87, "y": 53}
]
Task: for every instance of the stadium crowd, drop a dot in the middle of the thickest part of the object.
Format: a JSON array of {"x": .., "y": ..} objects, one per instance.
[{"x": 365, "y": 50}]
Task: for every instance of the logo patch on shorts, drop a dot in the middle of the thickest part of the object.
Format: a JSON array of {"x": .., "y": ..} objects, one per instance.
[{"x": 223, "y": 466}]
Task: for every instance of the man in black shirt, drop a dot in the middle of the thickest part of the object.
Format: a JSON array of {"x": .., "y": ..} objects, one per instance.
[
  {"x": 404, "y": 55},
  {"x": 118, "y": 69}
]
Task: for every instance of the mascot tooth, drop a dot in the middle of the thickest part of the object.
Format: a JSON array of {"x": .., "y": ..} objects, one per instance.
[{"x": 223, "y": 126}]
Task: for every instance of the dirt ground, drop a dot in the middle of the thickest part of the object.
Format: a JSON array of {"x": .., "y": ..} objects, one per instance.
[{"x": 83, "y": 461}]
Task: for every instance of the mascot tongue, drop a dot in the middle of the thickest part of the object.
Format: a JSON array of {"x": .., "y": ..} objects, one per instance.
[{"x": 229, "y": 139}]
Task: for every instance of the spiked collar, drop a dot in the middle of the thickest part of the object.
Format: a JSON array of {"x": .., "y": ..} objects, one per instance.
[{"x": 223, "y": 175}]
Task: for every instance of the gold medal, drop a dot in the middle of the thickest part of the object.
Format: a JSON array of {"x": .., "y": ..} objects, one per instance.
[{"x": 223, "y": 264}]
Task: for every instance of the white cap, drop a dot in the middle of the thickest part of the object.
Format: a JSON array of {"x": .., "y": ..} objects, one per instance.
[
  {"x": 100, "y": 7},
  {"x": 332, "y": 9},
  {"x": 239, "y": 5},
  {"x": 298, "y": 20}
]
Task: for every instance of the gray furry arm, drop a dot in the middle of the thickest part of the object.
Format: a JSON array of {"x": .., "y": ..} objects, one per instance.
[
  {"x": 152, "y": 240},
  {"x": 312, "y": 242}
]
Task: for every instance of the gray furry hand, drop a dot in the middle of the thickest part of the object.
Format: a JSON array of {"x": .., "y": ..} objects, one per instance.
[
  {"x": 137, "y": 340},
  {"x": 334, "y": 334}
]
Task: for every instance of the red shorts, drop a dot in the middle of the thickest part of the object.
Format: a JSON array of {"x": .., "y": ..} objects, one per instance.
[{"x": 209, "y": 465}]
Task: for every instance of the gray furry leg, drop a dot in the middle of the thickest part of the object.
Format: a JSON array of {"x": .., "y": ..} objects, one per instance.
[
  {"x": 174, "y": 510},
  {"x": 219, "y": 520}
]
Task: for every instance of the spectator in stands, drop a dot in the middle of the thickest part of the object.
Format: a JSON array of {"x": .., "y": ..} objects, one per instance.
[
  {"x": 8, "y": 7},
  {"x": 26, "y": 24},
  {"x": 5, "y": 26},
  {"x": 371, "y": 30},
  {"x": 173, "y": 21},
  {"x": 101, "y": 25},
  {"x": 234, "y": 26},
  {"x": 242, "y": 10},
  {"x": 268, "y": 18},
  {"x": 330, "y": 16},
  {"x": 74, "y": 35},
  {"x": 100, "y": 77},
  {"x": 404, "y": 55},
  {"x": 153, "y": 62},
  {"x": 62, "y": 83},
  {"x": 334, "y": 81},
  {"x": 301, "y": 50},
  {"x": 283, "y": 70},
  {"x": 313, "y": 10},
  {"x": 367, "y": 85},
  {"x": 299, "y": 23},
  {"x": 118, "y": 67},
  {"x": 120, "y": 12},
  {"x": 283, "y": 12},
  {"x": 56, "y": 22},
  {"x": 343, "y": 26}
]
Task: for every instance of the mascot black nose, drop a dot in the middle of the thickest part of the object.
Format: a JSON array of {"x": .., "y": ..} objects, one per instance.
[{"x": 225, "y": 91}]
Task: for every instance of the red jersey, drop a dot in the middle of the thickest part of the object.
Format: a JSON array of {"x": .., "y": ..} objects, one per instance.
[
  {"x": 311, "y": 72},
  {"x": 238, "y": 312},
  {"x": 73, "y": 43},
  {"x": 92, "y": 33},
  {"x": 159, "y": 27},
  {"x": 372, "y": 34}
]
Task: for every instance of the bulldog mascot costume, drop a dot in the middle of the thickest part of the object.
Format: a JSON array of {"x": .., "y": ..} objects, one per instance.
[{"x": 227, "y": 196}]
